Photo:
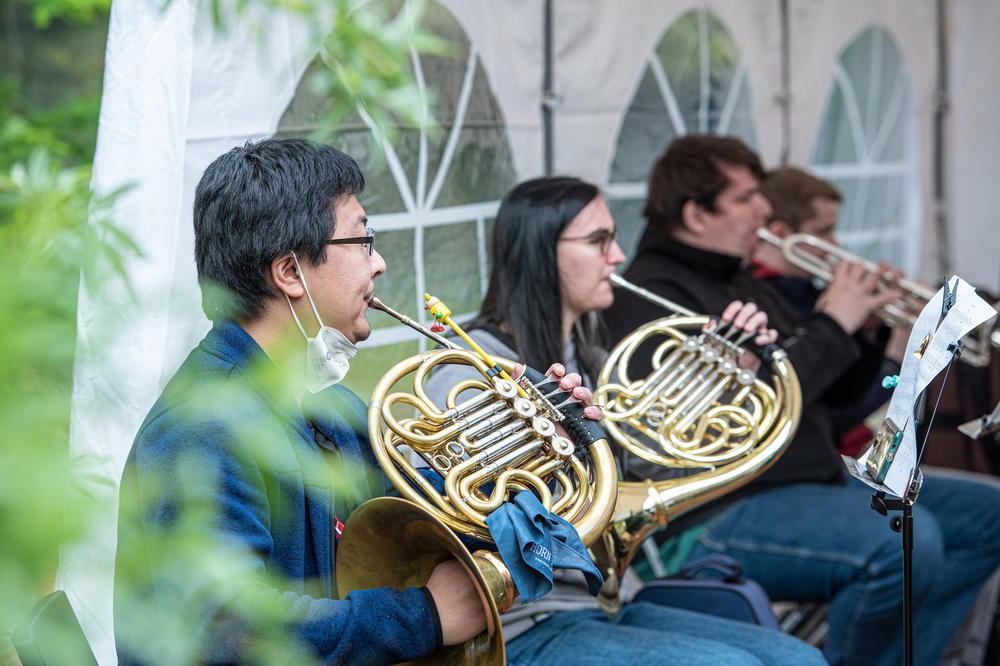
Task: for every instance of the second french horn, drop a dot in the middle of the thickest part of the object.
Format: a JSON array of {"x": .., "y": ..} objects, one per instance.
[{"x": 698, "y": 413}]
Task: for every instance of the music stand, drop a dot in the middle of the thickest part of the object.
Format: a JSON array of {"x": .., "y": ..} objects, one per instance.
[{"x": 903, "y": 524}]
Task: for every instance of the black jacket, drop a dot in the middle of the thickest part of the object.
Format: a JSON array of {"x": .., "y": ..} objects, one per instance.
[
  {"x": 802, "y": 295},
  {"x": 819, "y": 349}
]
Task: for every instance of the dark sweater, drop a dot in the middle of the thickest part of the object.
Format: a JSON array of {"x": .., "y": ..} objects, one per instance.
[{"x": 819, "y": 349}]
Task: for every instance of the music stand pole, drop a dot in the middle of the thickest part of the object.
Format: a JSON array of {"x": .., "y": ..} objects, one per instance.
[
  {"x": 903, "y": 524},
  {"x": 907, "y": 529}
]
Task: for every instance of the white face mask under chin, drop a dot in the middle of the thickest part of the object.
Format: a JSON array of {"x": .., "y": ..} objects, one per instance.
[{"x": 329, "y": 354}]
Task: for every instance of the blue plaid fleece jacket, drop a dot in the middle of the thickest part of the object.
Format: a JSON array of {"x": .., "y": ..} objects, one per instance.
[{"x": 235, "y": 464}]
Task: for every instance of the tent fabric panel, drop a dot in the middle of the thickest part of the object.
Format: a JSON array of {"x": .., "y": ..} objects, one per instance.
[
  {"x": 973, "y": 142},
  {"x": 120, "y": 343}
]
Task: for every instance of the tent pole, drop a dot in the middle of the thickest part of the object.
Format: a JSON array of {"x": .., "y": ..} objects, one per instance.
[
  {"x": 785, "y": 96},
  {"x": 548, "y": 94},
  {"x": 941, "y": 107}
]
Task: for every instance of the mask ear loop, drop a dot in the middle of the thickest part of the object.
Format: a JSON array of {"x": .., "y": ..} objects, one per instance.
[
  {"x": 296, "y": 318},
  {"x": 311, "y": 304}
]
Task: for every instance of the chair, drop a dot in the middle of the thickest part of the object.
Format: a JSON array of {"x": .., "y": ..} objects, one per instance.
[{"x": 52, "y": 636}]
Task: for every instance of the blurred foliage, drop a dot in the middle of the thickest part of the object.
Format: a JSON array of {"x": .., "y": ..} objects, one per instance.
[
  {"x": 43, "y": 12},
  {"x": 51, "y": 57},
  {"x": 367, "y": 50},
  {"x": 44, "y": 245},
  {"x": 50, "y": 89},
  {"x": 48, "y": 126}
]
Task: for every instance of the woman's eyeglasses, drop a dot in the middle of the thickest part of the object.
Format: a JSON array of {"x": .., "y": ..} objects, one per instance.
[
  {"x": 602, "y": 237},
  {"x": 368, "y": 239}
]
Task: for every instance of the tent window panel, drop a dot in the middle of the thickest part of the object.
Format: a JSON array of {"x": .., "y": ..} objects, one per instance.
[
  {"x": 847, "y": 222},
  {"x": 836, "y": 141},
  {"x": 877, "y": 204},
  {"x": 432, "y": 192},
  {"x": 398, "y": 285},
  {"x": 888, "y": 207},
  {"x": 371, "y": 363},
  {"x": 381, "y": 194},
  {"x": 464, "y": 104},
  {"x": 700, "y": 59},
  {"x": 866, "y": 144},
  {"x": 872, "y": 217},
  {"x": 679, "y": 51},
  {"x": 880, "y": 247},
  {"x": 627, "y": 214},
  {"x": 894, "y": 145},
  {"x": 693, "y": 81},
  {"x": 645, "y": 132},
  {"x": 481, "y": 170},
  {"x": 740, "y": 121},
  {"x": 868, "y": 248},
  {"x": 451, "y": 253},
  {"x": 863, "y": 60}
]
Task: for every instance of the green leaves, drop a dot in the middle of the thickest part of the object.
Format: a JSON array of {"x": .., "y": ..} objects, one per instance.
[
  {"x": 55, "y": 230},
  {"x": 367, "y": 49},
  {"x": 43, "y": 12}
]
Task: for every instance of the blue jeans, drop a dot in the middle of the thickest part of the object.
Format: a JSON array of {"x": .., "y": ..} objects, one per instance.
[
  {"x": 651, "y": 634},
  {"x": 825, "y": 543}
]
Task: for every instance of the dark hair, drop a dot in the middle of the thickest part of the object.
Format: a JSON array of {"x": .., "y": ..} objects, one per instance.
[
  {"x": 791, "y": 192},
  {"x": 257, "y": 203},
  {"x": 689, "y": 170},
  {"x": 524, "y": 291}
]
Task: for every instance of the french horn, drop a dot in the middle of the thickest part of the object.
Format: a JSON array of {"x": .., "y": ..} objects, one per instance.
[
  {"x": 717, "y": 425},
  {"x": 484, "y": 448},
  {"x": 818, "y": 258}
]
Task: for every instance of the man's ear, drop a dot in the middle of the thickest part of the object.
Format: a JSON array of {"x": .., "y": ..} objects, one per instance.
[
  {"x": 285, "y": 275},
  {"x": 780, "y": 228},
  {"x": 693, "y": 217}
]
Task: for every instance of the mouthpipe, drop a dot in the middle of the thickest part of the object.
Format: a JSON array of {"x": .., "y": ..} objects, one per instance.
[
  {"x": 376, "y": 302},
  {"x": 619, "y": 281}
]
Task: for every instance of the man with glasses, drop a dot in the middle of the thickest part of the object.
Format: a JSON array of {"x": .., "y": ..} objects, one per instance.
[{"x": 256, "y": 452}]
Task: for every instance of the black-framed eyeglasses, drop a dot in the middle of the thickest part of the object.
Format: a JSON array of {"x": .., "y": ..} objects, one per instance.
[
  {"x": 602, "y": 237},
  {"x": 368, "y": 239}
]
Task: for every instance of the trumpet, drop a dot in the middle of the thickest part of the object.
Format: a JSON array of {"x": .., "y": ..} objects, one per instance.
[
  {"x": 819, "y": 258},
  {"x": 697, "y": 412},
  {"x": 500, "y": 441}
]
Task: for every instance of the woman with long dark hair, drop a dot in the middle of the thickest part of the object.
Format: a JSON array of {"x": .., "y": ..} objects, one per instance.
[{"x": 554, "y": 248}]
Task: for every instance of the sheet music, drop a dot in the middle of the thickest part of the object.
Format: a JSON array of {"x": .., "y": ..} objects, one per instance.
[{"x": 918, "y": 370}]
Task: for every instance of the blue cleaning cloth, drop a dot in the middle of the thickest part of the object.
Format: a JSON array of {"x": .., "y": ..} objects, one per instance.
[{"x": 532, "y": 541}]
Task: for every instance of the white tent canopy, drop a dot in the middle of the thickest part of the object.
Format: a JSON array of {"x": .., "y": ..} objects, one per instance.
[{"x": 805, "y": 79}]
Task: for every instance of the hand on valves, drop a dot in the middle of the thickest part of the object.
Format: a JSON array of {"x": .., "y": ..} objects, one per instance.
[
  {"x": 747, "y": 317},
  {"x": 854, "y": 294}
]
